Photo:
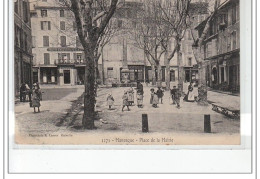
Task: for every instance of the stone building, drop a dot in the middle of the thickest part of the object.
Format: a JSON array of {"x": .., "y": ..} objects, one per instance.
[
  {"x": 22, "y": 44},
  {"x": 198, "y": 12},
  {"x": 222, "y": 48},
  {"x": 58, "y": 57}
]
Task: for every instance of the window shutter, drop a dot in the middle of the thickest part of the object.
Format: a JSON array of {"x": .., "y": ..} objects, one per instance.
[
  {"x": 68, "y": 56},
  {"x": 63, "y": 41},
  {"x": 49, "y": 25},
  {"x": 41, "y": 25},
  {"x": 45, "y": 41}
]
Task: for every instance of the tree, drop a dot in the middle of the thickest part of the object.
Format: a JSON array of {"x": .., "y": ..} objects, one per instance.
[
  {"x": 175, "y": 14},
  {"x": 198, "y": 52},
  {"x": 151, "y": 34},
  {"x": 92, "y": 18}
]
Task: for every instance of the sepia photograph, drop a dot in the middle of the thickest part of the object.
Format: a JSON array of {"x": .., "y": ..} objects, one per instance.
[{"x": 126, "y": 72}]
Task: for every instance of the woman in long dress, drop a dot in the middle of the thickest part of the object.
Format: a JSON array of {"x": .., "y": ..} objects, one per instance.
[
  {"x": 155, "y": 100},
  {"x": 190, "y": 97}
]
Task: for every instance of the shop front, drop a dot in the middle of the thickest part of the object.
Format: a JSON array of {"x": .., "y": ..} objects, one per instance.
[
  {"x": 48, "y": 75},
  {"x": 135, "y": 73},
  {"x": 223, "y": 72}
]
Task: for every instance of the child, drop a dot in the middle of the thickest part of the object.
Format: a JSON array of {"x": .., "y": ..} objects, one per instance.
[
  {"x": 36, "y": 97},
  {"x": 139, "y": 97},
  {"x": 160, "y": 94},
  {"x": 173, "y": 93},
  {"x": 110, "y": 101},
  {"x": 131, "y": 96},
  {"x": 125, "y": 101},
  {"x": 152, "y": 95}
]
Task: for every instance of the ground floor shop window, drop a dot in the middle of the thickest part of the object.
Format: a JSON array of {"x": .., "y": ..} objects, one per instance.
[{"x": 47, "y": 75}]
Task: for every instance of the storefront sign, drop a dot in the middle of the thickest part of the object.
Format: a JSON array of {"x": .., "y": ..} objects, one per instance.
[{"x": 64, "y": 49}]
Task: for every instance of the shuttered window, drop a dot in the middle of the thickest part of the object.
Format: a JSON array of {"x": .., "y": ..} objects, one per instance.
[
  {"x": 46, "y": 58},
  {"x": 46, "y": 41},
  {"x": 62, "y": 13},
  {"x": 62, "y": 25},
  {"x": 45, "y": 25},
  {"x": 63, "y": 41}
]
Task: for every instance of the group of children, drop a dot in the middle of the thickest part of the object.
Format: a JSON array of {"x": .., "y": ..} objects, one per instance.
[
  {"x": 156, "y": 97},
  {"x": 128, "y": 99}
]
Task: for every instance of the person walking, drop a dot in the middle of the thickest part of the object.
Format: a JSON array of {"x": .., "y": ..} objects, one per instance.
[
  {"x": 125, "y": 101},
  {"x": 36, "y": 98},
  {"x": 160, "y": 94}
]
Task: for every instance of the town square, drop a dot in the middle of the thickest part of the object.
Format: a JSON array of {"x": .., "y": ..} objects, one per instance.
[{"x": 130, "y": 67}]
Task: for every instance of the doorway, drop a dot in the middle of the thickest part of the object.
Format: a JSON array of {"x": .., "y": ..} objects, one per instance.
[{"x": 66, "y": 76}]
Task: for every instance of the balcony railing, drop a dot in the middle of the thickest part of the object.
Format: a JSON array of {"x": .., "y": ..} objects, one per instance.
[{"x": 70, "y": 61}]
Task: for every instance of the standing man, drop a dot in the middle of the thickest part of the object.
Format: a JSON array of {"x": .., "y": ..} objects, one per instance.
[{"x": 140, "y": 87}]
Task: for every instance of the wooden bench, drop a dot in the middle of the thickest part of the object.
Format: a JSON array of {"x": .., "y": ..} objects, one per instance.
[{"x": 227, "y": 111}]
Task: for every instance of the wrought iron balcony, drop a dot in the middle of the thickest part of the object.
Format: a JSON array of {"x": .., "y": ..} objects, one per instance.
[{"x": 69, "y": 62}]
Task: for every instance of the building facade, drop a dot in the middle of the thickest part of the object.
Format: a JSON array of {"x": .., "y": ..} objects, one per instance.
[
  {"x": 22, "y": 45},
  {"x": 198, "y": 12},
  {"x": 58, "y": 56},
  {"x": 222, "y": 48}
]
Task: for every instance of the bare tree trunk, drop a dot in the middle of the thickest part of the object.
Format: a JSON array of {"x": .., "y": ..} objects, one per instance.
[
  {"x": 180, "y": 71},
  {"x": 202, "y": 86},
  {"x": 89, "y": 95},
  {"x": 159, "y": 74},
  {"x": 103, "y": 69},
  {"x": 153, "y": 74},
  {"x": 167, "y": 71}
]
